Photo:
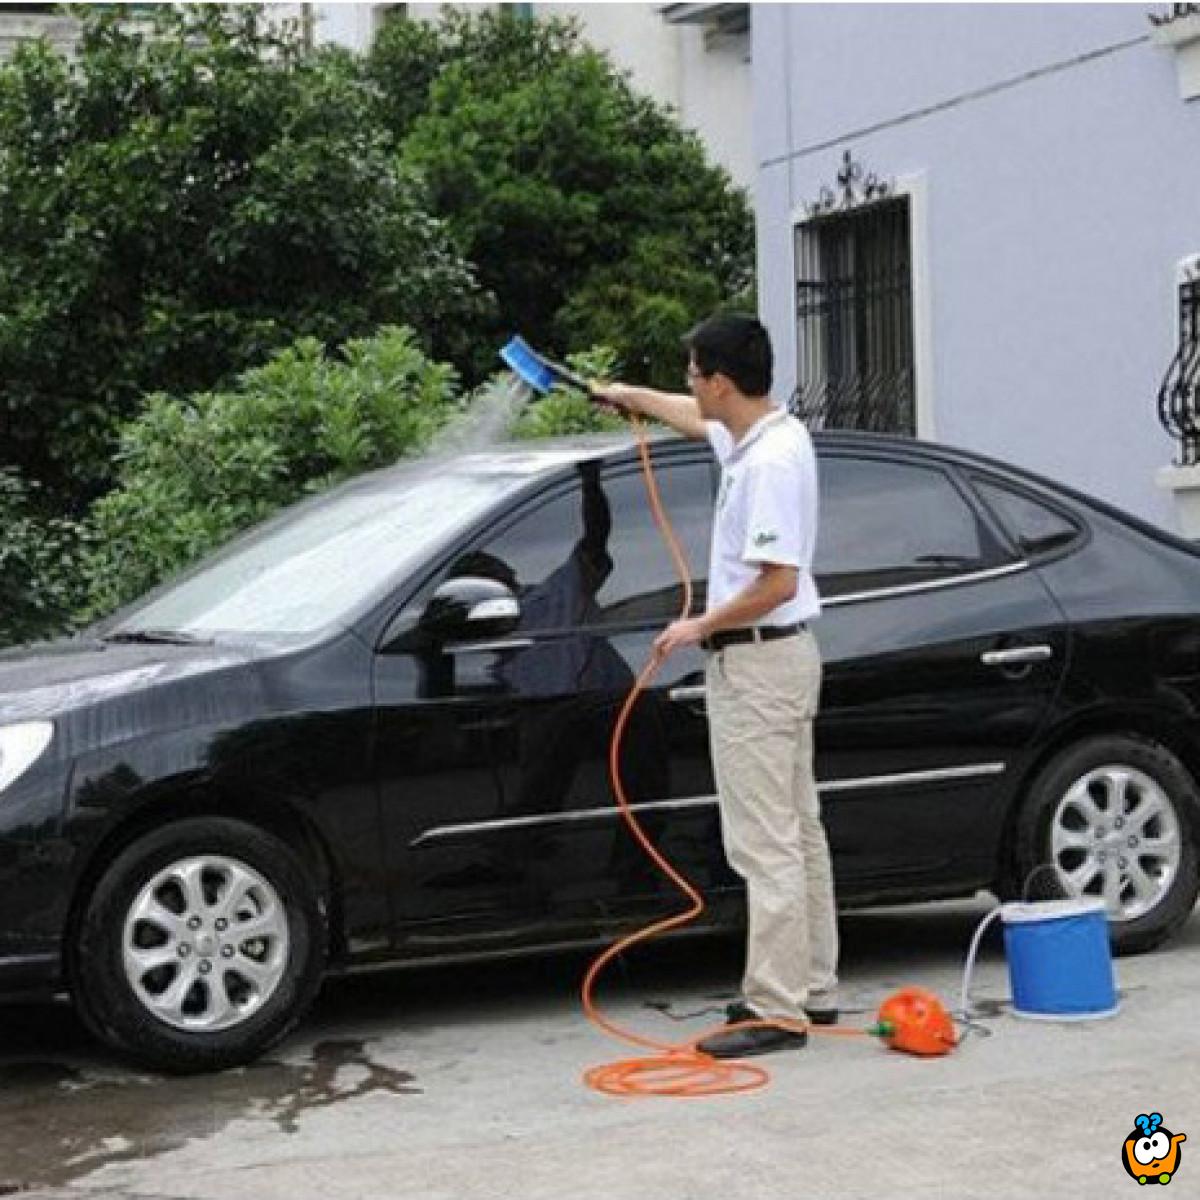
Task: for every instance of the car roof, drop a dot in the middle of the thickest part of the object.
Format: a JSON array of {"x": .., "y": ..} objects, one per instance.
[
  {"x": 541, "y": 458},
  {"x": 533, "y": 462},
  {"x": 548, "y": 454}
]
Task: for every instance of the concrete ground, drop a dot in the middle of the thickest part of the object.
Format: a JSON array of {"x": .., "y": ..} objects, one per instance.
[{"x": 464, "y": 1084}]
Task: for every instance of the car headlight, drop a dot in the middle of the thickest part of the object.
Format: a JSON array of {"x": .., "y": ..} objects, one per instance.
[{"x": 20, "y": 747}]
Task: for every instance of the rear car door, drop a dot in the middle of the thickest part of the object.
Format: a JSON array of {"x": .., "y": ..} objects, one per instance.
[{"x": 943, "y": 652}]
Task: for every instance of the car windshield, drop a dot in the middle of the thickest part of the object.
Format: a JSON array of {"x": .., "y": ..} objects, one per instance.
[{"x": 316, "y": 564}]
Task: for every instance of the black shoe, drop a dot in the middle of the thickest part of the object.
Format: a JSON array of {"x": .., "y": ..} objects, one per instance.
[
  {"x": 823, "y": 1016},
  {"x": 745, "y": 1043},
  {"x": 742, "y": 1043},
  {"x": 739, "y": 1011}
]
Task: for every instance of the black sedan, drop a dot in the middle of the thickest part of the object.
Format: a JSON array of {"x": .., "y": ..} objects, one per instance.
[{"x": 376, "y": 729}]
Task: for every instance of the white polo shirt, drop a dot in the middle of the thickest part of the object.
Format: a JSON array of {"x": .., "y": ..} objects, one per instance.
[{"x": 766, "y": 512}]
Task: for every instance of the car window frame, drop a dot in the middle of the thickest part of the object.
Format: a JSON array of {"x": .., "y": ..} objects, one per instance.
[
  {"x": 564, "y": 487},
  {"x": 1005, "y": 562},
  {"x": 1083, "y": 531},
  {"x": 668, "y": 455}
]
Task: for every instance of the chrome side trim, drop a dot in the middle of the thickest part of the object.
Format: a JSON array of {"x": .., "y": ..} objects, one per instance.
[
  {"x": 1017, "y": 656},
  {"x": 833, "y": 787},
  {"x": 929, "y": 585},
  {"x": 489, "y": 647},
  {"x": 908, "y": 778}
]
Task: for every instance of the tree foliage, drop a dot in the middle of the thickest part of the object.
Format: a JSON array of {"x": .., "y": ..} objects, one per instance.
[
  {"x": 589, "y": 213},
  {"x": 191, "y": 192},
  {"x": 195, "y": 190},
  {"x": 41, "y": 584}
]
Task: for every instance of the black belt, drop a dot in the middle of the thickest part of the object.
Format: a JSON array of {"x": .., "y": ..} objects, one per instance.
[{"x": 756, "y": 633}]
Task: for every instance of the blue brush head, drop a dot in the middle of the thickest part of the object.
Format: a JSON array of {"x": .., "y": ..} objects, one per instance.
[{"x": 525, "y": 362}]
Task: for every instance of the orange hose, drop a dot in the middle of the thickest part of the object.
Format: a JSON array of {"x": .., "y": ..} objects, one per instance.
[{"x": 675, "y": 1069}]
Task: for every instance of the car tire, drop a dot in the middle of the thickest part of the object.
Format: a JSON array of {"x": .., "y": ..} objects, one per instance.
[
  {"x": 1114, "y": 816},
  {"x": 201, "y": 945}
]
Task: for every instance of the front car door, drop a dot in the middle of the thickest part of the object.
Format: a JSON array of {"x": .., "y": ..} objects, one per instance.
[{"x": 514, "y": 836}]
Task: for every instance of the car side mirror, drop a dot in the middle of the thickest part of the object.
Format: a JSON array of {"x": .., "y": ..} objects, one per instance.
[{"x": 468, "y": 608}]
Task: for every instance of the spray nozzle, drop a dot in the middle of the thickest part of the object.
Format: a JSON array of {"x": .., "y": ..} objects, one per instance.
[{"x": 543, "y": 374}]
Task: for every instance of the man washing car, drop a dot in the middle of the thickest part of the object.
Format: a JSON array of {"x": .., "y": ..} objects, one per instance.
[{"x": 763, "y": 675}]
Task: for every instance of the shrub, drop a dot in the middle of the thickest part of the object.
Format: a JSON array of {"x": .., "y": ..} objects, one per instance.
[
  {"x": 192, "y": 472},
  {"x": 41, "y": 579}
]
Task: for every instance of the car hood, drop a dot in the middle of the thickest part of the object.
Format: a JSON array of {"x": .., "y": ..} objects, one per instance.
[{"x": 51, "y": 679}]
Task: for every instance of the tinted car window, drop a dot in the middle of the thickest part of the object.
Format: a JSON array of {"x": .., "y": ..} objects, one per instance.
[
  {"x": 1034, "y": 526},
  {"x": 886, "y": 524},
  {"x": 593, "y": 554}
]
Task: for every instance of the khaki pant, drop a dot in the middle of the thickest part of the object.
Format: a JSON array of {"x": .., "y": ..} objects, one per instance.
[{"x": 762, "y": 698}]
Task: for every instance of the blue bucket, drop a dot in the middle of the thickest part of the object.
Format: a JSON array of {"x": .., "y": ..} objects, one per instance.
[
  {"x": 525, "y": 362},
  {"x": 1059, "y": 960}
]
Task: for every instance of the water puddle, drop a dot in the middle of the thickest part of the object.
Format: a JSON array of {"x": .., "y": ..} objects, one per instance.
[
  {"x": 60, "y": 1122},
  {"x": 320, "y": 1083}
]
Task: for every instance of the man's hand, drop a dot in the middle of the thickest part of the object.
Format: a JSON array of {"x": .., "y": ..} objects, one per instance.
[
  {"x": 620, "y": 396},
  {"x": 679, "y": 634}
]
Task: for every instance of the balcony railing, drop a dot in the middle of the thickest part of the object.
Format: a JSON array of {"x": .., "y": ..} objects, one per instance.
[{"x": 1179, "y": 394}]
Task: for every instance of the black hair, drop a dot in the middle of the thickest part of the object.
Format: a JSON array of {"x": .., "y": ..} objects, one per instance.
[{"x": 735, "y": 346}]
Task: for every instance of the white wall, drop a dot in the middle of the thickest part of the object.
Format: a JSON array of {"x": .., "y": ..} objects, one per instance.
[
  {"x": 1061, "y": 171},
  {"x": 349, "y": 25}
]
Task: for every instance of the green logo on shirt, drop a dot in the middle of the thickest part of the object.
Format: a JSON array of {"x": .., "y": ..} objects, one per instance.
[{"x": 765, "y": 539}]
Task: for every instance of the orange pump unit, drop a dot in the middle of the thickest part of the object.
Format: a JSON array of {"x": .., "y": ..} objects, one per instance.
[{"x": 915, "y": 1020}]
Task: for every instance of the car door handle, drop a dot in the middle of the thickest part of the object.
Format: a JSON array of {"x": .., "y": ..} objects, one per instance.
[
  {"x": 688, "y": 695},
  {"x": 1016, "y": 656}
]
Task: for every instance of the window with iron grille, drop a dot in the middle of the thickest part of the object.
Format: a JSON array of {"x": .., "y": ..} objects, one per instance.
[
  {"x": 1179, "y": 394},
  {"x": 855, "y": 361}
]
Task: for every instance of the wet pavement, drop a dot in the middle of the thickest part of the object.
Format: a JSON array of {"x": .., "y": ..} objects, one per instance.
[
  {"x": 465, "y": 1082},
  {"x": 68, "y": 1108}
]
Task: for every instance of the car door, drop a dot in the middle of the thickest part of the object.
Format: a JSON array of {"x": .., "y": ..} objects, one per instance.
[
  {"x": 514, "y": 833},
  {"x": 943, "y": 651}
]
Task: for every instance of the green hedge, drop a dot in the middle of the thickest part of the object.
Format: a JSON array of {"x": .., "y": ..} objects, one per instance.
[{"x": 193, "y": 472}]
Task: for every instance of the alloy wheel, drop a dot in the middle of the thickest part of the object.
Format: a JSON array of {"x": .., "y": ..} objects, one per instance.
[
  {"x": 205, "y": 943},
  {"x": 1115, "y": 835}
]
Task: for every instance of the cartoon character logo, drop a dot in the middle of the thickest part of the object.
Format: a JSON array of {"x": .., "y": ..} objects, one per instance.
[{"x": 1151, "y": 1153}]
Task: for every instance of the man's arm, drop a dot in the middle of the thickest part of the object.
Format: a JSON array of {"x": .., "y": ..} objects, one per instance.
[
  {"x": 679, "y": 411},
  {"x": 775, "y": 584}
]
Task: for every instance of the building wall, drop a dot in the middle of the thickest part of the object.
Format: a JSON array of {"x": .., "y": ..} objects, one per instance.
[
  {"x": 1057, "y": 170},
  {"x": 705, "y": 79},
  {"x": 17, "y": 27},
  {"x": 349, "y": 25}
]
